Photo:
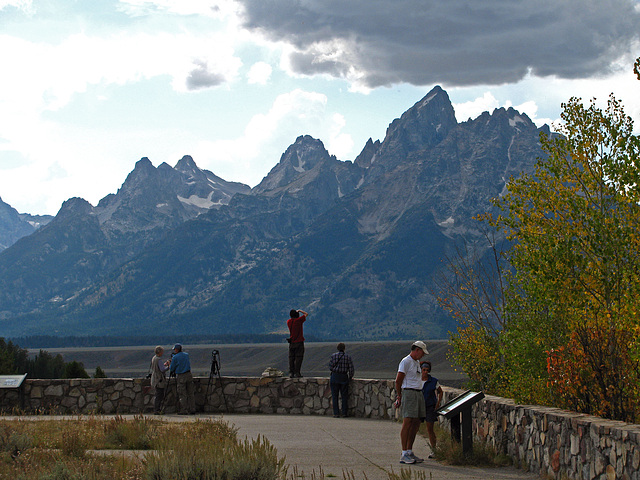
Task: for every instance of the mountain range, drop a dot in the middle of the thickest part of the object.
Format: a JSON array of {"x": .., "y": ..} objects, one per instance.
[
  {"x": 357, "y": 244},
  {"x": 14, "y": 225}
]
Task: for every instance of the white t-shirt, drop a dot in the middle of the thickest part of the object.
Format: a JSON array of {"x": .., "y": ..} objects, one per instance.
[{"x": 412, "y": 373}]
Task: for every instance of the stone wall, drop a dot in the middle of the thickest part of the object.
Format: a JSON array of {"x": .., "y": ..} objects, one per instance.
[
  {"x": 557, "y": 443},
  {"x": 309, "y": 396},
  {"x": 549, "y": 441}
]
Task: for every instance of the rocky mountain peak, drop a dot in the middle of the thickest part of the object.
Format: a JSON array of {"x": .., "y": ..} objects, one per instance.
[
  {"x": 302, "y": 156},
  {"x": 424, "y": 125},
  {"x": 358, "y": 243},
  {"x": 143, "y": 165},
  {"x": 139, "y": 177},
  {"x": 367, "y": 155},
  {"x": 503, "y": 122},
  {"x": 74, "y": 207},
  {"x": 187, "y": 165},
  {"x": 13, "y": 226}
]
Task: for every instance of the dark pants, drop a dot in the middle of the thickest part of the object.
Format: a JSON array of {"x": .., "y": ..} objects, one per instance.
[
  {"x": 157, "y": 403},
  {"x": 340, "y": 386},
  {"x": 186, "y": 392},
  {"x": 296, "y": 354}
]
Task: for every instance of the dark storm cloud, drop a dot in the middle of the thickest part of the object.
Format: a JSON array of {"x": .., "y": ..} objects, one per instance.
[
  {"x": 200, "y": 77},
  {"x": 456, "y": 42}
]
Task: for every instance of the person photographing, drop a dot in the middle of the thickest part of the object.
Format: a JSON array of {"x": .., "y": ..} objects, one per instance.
[{"x": 296, "y": 341}]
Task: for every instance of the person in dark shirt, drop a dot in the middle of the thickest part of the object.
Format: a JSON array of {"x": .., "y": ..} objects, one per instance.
[
  {"x": 432, "y": 392},
  {"x": 296, "y": 341},
  {"x": 341, "y": 366}
]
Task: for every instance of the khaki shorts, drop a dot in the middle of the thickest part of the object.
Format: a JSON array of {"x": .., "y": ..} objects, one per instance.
[{"x": 413, "y": 404}]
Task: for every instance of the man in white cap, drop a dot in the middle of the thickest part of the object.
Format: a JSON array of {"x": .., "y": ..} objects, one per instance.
[{"x": 410, "y": 399}]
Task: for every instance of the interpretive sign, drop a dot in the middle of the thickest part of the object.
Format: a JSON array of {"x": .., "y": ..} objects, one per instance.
[
  {"x": 458, "y": 412},
  {"x": 12, "y": 381}
]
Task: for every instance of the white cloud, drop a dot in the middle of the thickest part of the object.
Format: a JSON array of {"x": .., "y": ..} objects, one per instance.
[
  {"x": 183, "y": 7},
  {"x": 471, "y": 109},
  {"x": 488, "y": 103},
  {"x": 259, "y": 73},
  {"x": 45, "y": 78},
  {"x": 49, "y": 75},
  {"x": 249, "y": 157},
  {"x": 24, "y": 5}
]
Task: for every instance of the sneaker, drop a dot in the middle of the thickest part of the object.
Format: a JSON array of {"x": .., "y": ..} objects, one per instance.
[
  {"x": 417, "y": 459},
  {"x": 407, "y": 459},
  {"x": 431, "y": 455}
]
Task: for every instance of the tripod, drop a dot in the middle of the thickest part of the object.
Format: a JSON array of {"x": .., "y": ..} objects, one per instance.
[
  {"x": 175, "y": 393},
  {"x": 213, "y": 373}
]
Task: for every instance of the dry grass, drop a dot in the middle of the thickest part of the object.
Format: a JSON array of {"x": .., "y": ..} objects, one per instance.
[
  {"x": 205, "y": 450},
  {"x": 450, "y": 452},
  {"x": 66, "y": 450}
]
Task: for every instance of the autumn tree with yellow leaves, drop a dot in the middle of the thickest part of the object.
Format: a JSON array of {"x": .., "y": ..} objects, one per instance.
[{"x": 570, "y": 327}]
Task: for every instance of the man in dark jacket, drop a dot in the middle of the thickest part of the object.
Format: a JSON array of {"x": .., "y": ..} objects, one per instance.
[{"x": 296, "y": 341}]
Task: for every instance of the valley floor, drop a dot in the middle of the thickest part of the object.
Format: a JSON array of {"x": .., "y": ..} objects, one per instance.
[{"x": 371, "y": 359}]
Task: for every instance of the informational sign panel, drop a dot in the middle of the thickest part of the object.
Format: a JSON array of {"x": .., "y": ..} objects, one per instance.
[
  {"x": 459, "y": 403},
  {"x": 11, "y": 381},
  {"x": 458, "y": 412}
]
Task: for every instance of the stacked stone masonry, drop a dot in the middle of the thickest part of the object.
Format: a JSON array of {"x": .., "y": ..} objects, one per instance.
[
  {"x": 555, "y": 443},
  {"x": 274, "y": 395}
]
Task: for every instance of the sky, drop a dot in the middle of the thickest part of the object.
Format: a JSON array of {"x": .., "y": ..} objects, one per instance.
[{"x": 88, "y": 87}]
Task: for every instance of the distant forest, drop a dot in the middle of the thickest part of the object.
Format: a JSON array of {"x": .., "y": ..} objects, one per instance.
[{"x": 48, "y": 341}]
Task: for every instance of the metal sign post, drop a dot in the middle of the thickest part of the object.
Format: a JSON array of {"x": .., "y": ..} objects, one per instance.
[{"x": 458, "y": 412}]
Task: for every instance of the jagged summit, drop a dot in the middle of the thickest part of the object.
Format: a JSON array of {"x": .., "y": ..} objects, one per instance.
[
  {"x": 302, "y": 156},
  {"x": 357, "y": 244},
  {"x": 187, "y": 165},
  {"x": 75, "y": 206},
  {"x": 14, "y": 226},
  {"x": 367, "y": 155},
  {"x": 426, "y": 124}
]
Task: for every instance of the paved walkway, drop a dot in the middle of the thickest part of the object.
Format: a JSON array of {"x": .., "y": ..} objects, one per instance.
[
  {"x": 349, "y": 448},
  {"x": 370, "y": 449}
]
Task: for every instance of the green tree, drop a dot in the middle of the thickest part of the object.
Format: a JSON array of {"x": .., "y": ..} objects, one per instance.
[
  {"x": 99, "y": 373},
  {"x": 75, "y": 369},
  {"x": 569, "y": 327},
  {"x": 45, "y": 365},
  {"x": 13, "y": 359},
  {"x": 575, "y": 227}
]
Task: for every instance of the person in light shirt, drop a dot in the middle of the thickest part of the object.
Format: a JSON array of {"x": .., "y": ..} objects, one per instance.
[
  {"x": 410, "y": 399},
  {"x": 158, "y": 379}
]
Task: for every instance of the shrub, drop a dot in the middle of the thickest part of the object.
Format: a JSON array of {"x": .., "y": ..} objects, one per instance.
[
  {"x": 133, "y": 434},
  {"x": 208, "y": 459},
  {"x": 481, "y": 455}
]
